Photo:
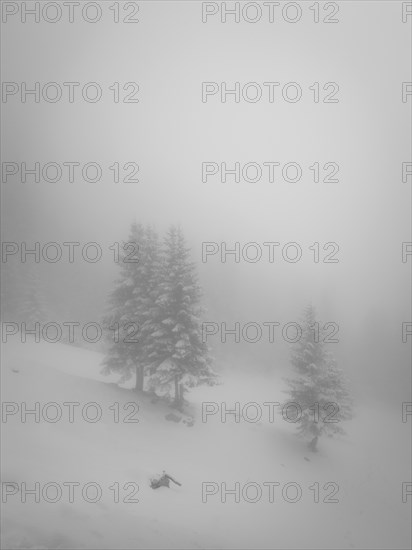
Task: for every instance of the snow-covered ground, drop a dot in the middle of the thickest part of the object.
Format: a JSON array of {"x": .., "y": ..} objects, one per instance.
[{"x": 368, "y": 466}]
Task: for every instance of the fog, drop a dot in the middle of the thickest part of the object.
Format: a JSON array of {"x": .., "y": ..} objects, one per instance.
[{"x": 174, "y": 128}]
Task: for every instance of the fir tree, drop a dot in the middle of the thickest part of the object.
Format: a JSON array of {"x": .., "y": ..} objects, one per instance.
[
  {"x": 177, "y": 348},
  {"x": 33, "y": 304},
  {"x": 122, "y": 321},
  {"x": 145, "y": 295},
  {"x": 320, "y": 389}
]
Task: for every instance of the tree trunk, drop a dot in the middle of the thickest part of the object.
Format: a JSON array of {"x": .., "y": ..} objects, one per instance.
[
  {"x": 177, "y": 392},
  {"x": 139, "y": 378},
  {"x": 178, "y": 400},
  {"x": 313, "y": 443}
]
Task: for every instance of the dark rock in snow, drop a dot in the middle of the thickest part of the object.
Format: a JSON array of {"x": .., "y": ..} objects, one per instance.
[
  {"x": 173, "y": 417},
  {"x": 163, "y": 481}
]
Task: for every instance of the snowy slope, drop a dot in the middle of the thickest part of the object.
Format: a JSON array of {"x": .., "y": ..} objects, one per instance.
[{"x": 368, "y": 465}]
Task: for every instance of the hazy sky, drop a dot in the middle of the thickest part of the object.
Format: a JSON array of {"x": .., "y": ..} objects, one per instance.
[{"x": 170, "y": 132}]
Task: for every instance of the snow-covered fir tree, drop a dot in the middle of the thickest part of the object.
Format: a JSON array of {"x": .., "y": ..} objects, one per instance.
[
  {"x": 176, "y": 346},
  {"x": 145, "y": 295},
  {"x": 149, "y": 291},
  {"x": 123, "y": 320},
  {"x": 320, "y": 390},
  {"x": 33, "y": 307}
]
